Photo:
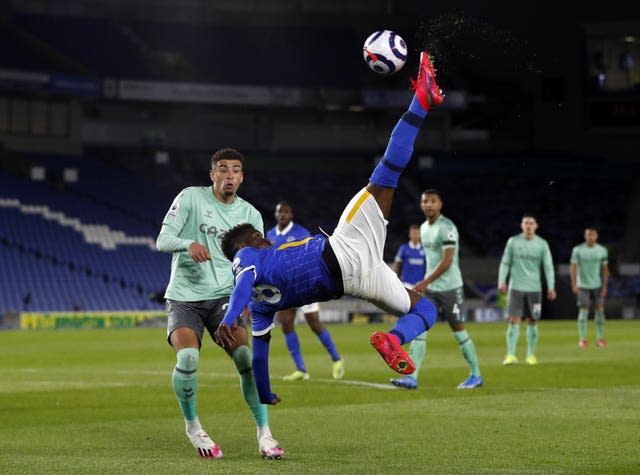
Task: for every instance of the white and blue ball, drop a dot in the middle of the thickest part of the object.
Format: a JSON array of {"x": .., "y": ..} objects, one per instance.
[{"x": 385, "y": 52}]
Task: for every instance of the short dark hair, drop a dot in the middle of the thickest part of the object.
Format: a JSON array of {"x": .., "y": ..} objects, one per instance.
[
  {"x": 284, "y": 203},
  {"x": 414, "y": 226},
  {"x": 231, "y": 238},
  {"x": 591, "y": 228},
  {"x": 433, "y": 191},
  {"x": 226, "y": 154},
  {"x": 529, "y": 215}
]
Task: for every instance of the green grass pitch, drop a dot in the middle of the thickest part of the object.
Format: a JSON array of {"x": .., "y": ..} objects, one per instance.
[{"x": 101, "y": 402}]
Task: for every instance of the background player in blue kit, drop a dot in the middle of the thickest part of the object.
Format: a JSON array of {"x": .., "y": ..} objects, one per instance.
[
  {"x": 350, "y": 261},
  {"x": 288, "y": 231},
  {"x": 410, "y": 262}
]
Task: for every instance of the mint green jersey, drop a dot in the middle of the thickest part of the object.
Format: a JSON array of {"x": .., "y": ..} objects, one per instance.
[
  {"x": 435, "y": 238},
  {"x": 522, "y": 261},
  {"x": 589, "y": 262},
  {"x": 197, "y": 215}
]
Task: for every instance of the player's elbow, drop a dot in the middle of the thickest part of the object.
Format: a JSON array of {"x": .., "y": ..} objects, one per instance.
[
  {"x": 160, "y": 243},
  {"x": 163, "y": 242}
]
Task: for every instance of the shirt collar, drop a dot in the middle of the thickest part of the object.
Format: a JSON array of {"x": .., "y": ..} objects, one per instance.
[
  {"x": 415, "y": 246},
  {"x": 285, "y": 230}
]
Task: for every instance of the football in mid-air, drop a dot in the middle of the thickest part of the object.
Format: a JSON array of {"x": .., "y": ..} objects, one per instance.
[{"x": 385, "y": 52}]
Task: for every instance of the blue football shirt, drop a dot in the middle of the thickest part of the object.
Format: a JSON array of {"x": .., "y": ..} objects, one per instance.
[
  {"x": 293, "y": 232},
  {"x": 413, "y": 263},
  {"x": 276, "y": 278}
]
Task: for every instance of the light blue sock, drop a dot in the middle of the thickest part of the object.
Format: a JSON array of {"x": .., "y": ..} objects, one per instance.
[
  {"x": 242, "y": 360},
  {"x": 583, "y": 317},
  {"x": 532, "y": 339},
  {"x": 185, "y": 382},
  {"x": 417, "y": 351},
  {"x": 468, "y": 351},
  {"x": 513, "y": 334},
  {"x": 599, "y": 319}
]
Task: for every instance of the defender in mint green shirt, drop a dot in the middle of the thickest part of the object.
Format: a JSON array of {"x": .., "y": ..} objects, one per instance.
[
  {"x": 199, "y": 289},
  {"x": 436, "y": 237},
  {"x": 522, "y": 260},
  {"x": 589, "y": 278},
  {"x": 442, "y": 285},
  {"x": 196, "y": 215}
]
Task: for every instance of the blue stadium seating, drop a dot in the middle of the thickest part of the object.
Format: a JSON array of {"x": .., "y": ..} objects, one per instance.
[{"x": 59, "y": 268}]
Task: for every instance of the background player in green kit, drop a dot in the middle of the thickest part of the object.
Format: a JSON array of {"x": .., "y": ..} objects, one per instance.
[
  {"x": 199, "y": 289},
  {"x": 589, "y": 278},
  {"x": 442, "y": 285},
  {"x": 522, "y": 259}
]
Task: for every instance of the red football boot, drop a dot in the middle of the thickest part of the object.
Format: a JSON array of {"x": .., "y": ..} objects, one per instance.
[
  {"x": 425, "y": 87},
  {"x": 389, "y": 348}
]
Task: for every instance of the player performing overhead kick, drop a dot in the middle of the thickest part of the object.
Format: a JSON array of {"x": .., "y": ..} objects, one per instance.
[{"x": 350, "y": 261}]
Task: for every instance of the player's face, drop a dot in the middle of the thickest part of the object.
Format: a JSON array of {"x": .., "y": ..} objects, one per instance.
[
  {"x": 590, "y": 236},
  {"x": 529, "y": 226},
  {"x": 253, "y": 238},
  {"x": 226, "y": 177},
  {"x": 283, "y": 215},
  {"x": 414, "y": 235},
  {"x": 430, "y": 205}
]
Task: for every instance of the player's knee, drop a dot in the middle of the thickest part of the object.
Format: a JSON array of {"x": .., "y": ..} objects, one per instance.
[
  {"x": 242, "y": 359},
  {"x": 188, "y": 359},
  {"x": 426, "y": 310}
]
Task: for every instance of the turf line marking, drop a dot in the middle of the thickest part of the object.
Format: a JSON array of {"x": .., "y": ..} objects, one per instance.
[{"x": 355, "y": 383}]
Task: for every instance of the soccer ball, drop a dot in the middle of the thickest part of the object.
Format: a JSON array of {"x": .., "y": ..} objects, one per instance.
[{"x": 385, "y": 52}]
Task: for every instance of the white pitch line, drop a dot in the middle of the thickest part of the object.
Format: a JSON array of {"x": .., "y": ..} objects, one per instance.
[
  {"x": 226, "y": 375},
  {"x": 355, "y": 383}
]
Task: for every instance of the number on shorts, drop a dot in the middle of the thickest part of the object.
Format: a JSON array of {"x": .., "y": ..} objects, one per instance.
[
  {"x": 266, "y": 293},
  {"x": 537, "y": 308}
]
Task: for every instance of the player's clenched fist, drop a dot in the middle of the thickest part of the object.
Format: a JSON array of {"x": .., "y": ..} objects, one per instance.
[{"x": 199, "y": 253}]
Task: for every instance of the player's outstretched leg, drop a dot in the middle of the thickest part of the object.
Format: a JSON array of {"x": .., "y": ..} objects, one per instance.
[
  {"x": 422, "y": 315},
  {"x": 385, "y": 176}
]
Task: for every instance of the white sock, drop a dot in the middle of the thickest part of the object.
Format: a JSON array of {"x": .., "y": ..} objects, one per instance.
[
  {"x": 193, "y": 426},
  {"x": 263, "y": 431}
]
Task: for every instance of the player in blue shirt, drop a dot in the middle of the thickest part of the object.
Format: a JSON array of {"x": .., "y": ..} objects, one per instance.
[
  {"x": 410, "y": 261},
  {"x": 283, "y": 232},
  {"x": 350, "y": 261}
]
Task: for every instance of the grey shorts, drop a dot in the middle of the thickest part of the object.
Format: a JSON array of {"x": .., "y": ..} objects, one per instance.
[
  {"x": 449, "y": 304},
  {"x": 524, "y": 304},
  {"x": 197, "y": 316},
  {"x": 589, "y": 297}
]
